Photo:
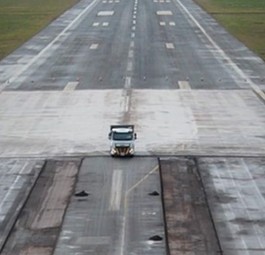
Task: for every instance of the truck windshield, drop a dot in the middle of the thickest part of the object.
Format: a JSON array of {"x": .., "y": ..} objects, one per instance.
[{"x": 122, "y": 136}]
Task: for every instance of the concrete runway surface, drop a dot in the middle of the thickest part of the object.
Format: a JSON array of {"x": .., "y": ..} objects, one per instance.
[{"x": 196, "y": 97}]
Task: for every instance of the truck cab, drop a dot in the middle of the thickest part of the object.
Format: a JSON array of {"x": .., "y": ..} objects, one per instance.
[{"x": 122, "y": 139}]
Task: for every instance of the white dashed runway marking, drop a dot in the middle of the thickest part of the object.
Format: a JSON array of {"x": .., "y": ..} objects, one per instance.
[
  {"x": 93, "y": 46},
  {"x": 170, "y": 46},
  {"x": 172, "y": 23},
  {"x": 95, "y": 24},
  {"x": 162, "y": 13},
  {"x": 105, "y": 24},
  {"x": 105, "y": 13},
  {"x": 184, "y": 85},
  {"x": 71, "y": 85},
  {"x": 162, "y": 23}
]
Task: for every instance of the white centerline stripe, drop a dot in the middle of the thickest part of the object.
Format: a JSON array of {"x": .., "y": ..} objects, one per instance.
[
  {"x": 116, "y": 191},
  {"x": 95, "y": 24},
  {"x": 170, "y": 46},
  {"x": 184, "y": 85},
  {"x": 134, "y": 22},
  {"x": 105, "y": 13},
  {"x": 133, "y": 35},
  {"x": 127, "y": 82},
  {"x": 71, "y": 85},
  {"x": 162, "y": 23},
  {"x": 93, "y": 46},
  {"x": 131, "y": 53},
  {"x": 172, "y": 23},
  {"x": 133, "y": 28},
  {"x": 132, "y": 44},
  {"x": 129, "y": 66},
  {"x": 164, "y": 13},
  {"x": 105, "y": 24}
]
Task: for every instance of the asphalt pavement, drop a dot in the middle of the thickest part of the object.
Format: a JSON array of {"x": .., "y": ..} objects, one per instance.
[{"x": 196, "y": 97}]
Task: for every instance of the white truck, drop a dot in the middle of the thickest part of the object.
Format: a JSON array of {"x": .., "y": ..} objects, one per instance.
[{"x": 122, "y": 139}]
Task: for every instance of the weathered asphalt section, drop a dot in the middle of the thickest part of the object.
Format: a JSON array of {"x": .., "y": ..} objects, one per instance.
[
  {"x": 151, "y": 44},
  {"x": 17, "y": 179},
  {"x": 201, "y": 205},
  {"x": 190, "y": 228},
  {"x": 235, "y": 189},
  {"x": 118, "y": 216},
  {"x": 38, "y": 225}
]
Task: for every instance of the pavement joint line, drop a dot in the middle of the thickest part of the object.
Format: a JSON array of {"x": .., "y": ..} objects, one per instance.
[
  {"x": 45, "y": 49},
  {"x": 222, "y": 53}
]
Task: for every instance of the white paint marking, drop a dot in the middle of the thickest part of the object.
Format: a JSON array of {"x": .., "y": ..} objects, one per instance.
[
  {"x": 105, "y": 24},
  {"x": 170, "y": 46},
  {"x": 133, "y": 35},
  {"x": 128, "y": 82},
  {"x": 166, "y": 13},
  {"x": 134, "y": 16},
  {"x": 93, "y": 46},
  {"x": 117, "y": 1},
  {"x": 127, "y": 104},
  {"x": 162, "y": 23},
  {"x": 116, "y": 191},
  {"x": 129, "y": 66},
  {"x": 135, "y": 8},
  {"x": 172, "y": 23},
  {"x": 71, "y": 85},
  {"x": 223, "y": 54},
  {"x": 155, "y": 1},
  {"x": 184, "y": 85},
  {"x": 105, "y": 13},
  {"x": 131, "y": 53},
  {"x": 133, "y": 28},
  {"x": 50, "y": 45},
  {"x": 134, "y": 22},
  {"x": 95, "y": 24},
  {"x": 161, "y": 1},
  {"x": 104, "y": 2},
  {"x": 168, "y": 1},
  {"x": 132, "y": 44}
]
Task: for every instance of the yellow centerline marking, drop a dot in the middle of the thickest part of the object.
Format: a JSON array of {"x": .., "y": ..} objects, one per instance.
[{"x": 143, "y": 179}]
